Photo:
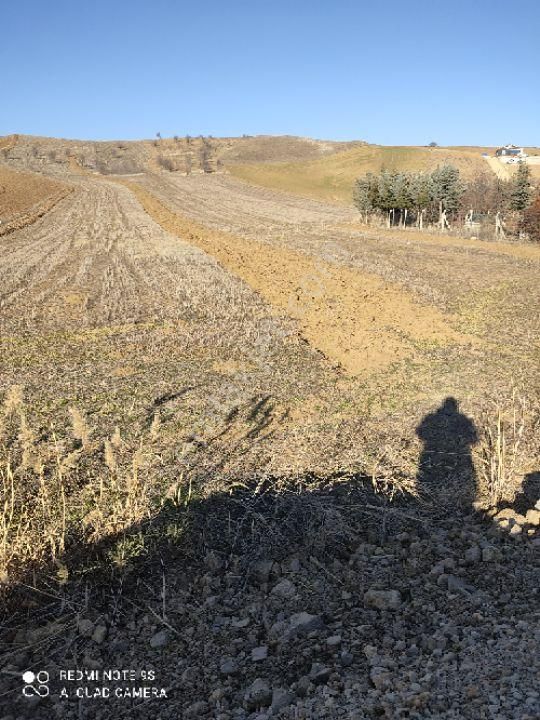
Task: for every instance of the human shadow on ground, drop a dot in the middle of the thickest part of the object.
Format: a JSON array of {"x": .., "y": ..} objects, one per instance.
[
  {"x": 446, "y": 465},
  {"x": 222, "y": 575}
]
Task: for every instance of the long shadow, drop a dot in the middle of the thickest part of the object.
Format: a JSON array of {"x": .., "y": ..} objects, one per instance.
[{"x": 276, "y": 580}]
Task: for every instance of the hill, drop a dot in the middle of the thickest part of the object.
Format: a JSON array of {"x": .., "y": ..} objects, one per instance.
[{"x": 331, "y": 177}]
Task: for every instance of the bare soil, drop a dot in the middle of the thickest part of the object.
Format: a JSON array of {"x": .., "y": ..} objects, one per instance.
[{"x": 25, "y": 196}]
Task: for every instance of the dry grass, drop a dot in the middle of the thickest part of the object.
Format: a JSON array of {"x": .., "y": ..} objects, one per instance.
[
  {"x": 509, "y": 449},
  {"x": 331, "y": 178},
  {"x": 64, "y": 490}
]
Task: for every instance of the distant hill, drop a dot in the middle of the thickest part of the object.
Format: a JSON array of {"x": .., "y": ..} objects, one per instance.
[
  {"x": 180, "y": 154},
  {"x": 332, "y": 177},
  {"x": 321, "y": 169}
]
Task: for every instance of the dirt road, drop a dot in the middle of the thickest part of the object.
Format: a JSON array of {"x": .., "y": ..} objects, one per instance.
[{"x": 501, "y": 170}]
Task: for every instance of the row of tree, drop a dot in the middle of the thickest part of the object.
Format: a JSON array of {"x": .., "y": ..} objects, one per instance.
[{"x": 441, "y": 196}]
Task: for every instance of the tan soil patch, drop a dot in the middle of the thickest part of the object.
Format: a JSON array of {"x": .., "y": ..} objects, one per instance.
[
  {"x": 25, "y": 197},
  {"x": 355, "y": 319}
]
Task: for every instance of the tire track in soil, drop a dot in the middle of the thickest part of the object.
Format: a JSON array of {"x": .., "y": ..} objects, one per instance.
[{"x": 355, "y": 319}]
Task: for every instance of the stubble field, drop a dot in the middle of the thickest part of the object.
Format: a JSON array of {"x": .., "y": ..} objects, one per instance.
[{"x": 201, "y": 376}]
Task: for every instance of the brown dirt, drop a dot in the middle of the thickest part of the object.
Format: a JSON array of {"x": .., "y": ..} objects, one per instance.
[
  {"x": 24, "y": 197},
  {"x": 355, "y": 319}
]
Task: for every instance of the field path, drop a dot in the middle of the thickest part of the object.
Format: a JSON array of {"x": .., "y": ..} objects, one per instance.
[{"x": 501, "y": 170}]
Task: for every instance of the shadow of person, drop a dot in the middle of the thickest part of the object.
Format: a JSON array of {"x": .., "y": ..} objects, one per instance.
[
  {"x": 446, "y": 470},
  {"x": 529, "y": 496}
]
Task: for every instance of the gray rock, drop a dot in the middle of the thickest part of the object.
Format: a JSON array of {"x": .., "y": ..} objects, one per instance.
[
  {"x": 303, "y": 686},
  {"x": 490, "y": 554},
  {"x": 383, "y": 599},
  {"x": 258, "y": 695},
  {"x": 458, "y": 585},
  {"x": 197, "y": 709},
  {"x": 160, "y": 639},
  {"x": 303, "y": 623},
  {"x": 285, "y": 589},
  {"x": 261, "y": 571},
  {"x": 214, "y": 561},
  {"x": 473, "y": 555},
  {"x": 380, "y": 677},
  {"x": 319, "y": 674},
  {"x": 86, "y": 627},
  {"x": 281, "y": 698},
  {"x": 228, "y": 666},
  {"x": 259, "y": 653},
  {"x": 346, "y": 658},
  {"x": 333, "y": 641},
  {"x": 99, "y": 634},
  {"x": 244, "y": 622}
]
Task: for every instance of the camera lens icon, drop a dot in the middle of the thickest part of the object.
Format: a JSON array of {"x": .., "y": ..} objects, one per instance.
[{"x": 35, "y": 683}]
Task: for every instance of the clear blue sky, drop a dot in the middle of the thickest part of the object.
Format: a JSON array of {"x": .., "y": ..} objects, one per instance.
[{"x": 455, "y": 72}]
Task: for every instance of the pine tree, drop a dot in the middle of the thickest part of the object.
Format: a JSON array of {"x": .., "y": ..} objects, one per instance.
[
  {"x": 520, "y": 197},
  {"x": 448, "y": 188},
  {"x": 362, "y": 198}
]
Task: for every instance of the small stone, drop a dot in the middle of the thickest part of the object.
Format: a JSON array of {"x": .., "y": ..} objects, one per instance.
[
  {"x": 380, "y": 677},
  {"x": 346, "y": 658},
  {"x": 508, "y": 518},
  {"x": 241, "y": 623},
  {"x": 259, "y": 653},
  {"x": 303, "y": 686},
  {"x": 99, "y": 634},
  {"x": 262, "y": 570},
  {"x": 281, "y": 698},
  {"x": 533, "y": 517},
  {"x": 213, "y": 561},
  {"x": 473, "y": 555},
  {"x": 333, "y": 641},
  {"x": 490, "y": 554},
  {"x": 160, "y": 639},
  {"x": 228, "y": 666},
  {"x": 197, "y": 709},
  {"x": 319, "y": 674},
  {"x": 383, "y": 599},
  {"x": 457, "y": 585},
  {"x": 86, "y": 627},
  {"x": 303, "y": 623},
  {"x": 258, "y": 695},
  {"x": 285, "y": 589}
]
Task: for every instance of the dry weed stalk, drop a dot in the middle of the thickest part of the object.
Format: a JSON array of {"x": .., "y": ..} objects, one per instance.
[
  {"x": 503, "y": 453},
  {"x": 53, "y": 493}
]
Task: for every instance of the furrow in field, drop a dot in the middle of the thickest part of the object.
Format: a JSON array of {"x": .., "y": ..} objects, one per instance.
[{"x": 355, "y": 319}]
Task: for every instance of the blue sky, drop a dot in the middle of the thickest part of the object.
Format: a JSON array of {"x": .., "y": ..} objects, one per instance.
[{"x": 387, "y": 72}]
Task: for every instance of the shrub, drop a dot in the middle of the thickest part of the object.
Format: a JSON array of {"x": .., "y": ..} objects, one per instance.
[{"x": 530, "y": 223}]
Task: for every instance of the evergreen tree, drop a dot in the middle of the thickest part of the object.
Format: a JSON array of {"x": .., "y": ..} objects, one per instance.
[
  {"x": 448, "y": 188},
  {"x": 363, "y": 196},
  {"x": 520, "y": 196}
]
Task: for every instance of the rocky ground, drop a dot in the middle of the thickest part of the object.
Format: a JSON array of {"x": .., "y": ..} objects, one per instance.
[{"x": 398, "y": 616}]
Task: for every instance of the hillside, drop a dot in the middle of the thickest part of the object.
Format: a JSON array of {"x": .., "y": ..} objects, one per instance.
[
  {"x": 179, "y": 154},
  {"x": 331, "y": 178}
]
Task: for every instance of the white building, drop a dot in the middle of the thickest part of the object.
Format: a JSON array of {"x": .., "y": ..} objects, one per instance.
[{"x": 510, "y": 154}]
